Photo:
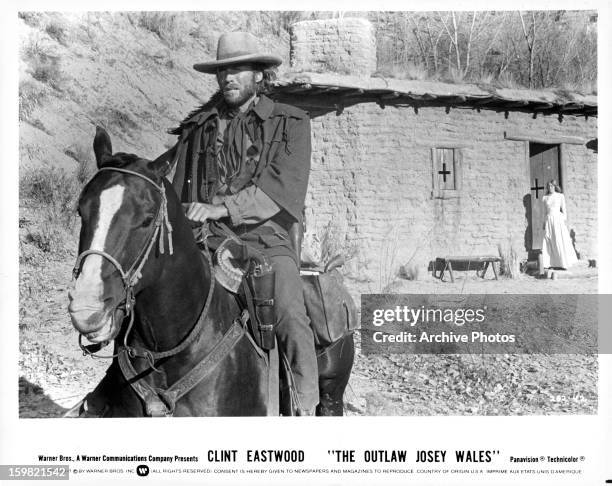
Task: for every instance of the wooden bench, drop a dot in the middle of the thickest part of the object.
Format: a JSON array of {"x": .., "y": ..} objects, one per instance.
[{"x": 446, "y": 263}]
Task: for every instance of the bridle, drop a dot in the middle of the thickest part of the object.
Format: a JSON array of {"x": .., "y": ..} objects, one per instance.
[
  {"x": 160, "y": 402},
  {"x": 130, "y": 278}
]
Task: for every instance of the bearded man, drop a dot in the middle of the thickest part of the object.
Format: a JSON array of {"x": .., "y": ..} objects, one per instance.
[{"x": 244, "y": 160}]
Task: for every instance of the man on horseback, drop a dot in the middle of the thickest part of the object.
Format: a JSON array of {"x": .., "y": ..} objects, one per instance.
[{"x": 244, "y": 160}]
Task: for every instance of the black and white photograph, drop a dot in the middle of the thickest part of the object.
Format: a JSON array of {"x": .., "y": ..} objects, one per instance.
[{"x": 332, "y": 220}]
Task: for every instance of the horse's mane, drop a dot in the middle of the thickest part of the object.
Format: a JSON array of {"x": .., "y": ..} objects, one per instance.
[{"x": 212, "y": 102}]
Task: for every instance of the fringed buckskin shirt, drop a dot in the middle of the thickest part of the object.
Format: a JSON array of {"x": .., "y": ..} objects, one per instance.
[{"x": 256, "y": 163}]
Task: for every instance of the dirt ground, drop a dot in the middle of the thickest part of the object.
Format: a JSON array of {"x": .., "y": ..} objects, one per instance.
[{"x": 54, "y": 374}]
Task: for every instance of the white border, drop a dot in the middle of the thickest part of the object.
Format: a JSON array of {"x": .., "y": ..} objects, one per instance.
[{"x": 22, "y": 440}]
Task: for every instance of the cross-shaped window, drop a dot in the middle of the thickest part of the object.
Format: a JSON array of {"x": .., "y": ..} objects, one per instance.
[{"x": 446, "y": 167}]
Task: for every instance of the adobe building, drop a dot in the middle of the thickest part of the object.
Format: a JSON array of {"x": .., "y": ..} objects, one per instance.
[{"x": 407, "y": 171}]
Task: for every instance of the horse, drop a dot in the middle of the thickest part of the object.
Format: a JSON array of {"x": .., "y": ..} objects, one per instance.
[{"x": 181, "y": 345}]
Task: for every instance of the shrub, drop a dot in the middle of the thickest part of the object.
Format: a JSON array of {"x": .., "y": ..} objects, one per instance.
[
  {"x": 31, "y": 96},
  {"x": 282, "y": 20},
  {"x": 56, "y": 31},
  {"x": 416, "y": 71},
  {"x": 333, "y": 241},
  {"x": 47, "y": 70},
  {"x": 50, "y": 236},
  {"x": 583, "y": 87},
  {"x": 85, "y": 164},
  {"x": 506, "y": 80},
  {"x": 45, "y": 67},
  {"x": 410, "y": 70},
  {"x": 409, "y": 271},
  {"x": 53, "y": 190},
  {"x": 113, "y": 117},
  {"x": 486, "y": 78},
  {"x": 170, "y": 27},
  {"x": 32, "y": 19},
  {"x": 454, "y": 76},
  {"x": 510, "y": 265}
]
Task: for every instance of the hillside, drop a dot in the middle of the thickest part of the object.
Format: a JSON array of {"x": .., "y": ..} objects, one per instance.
[{"x": 129, "y": 72}]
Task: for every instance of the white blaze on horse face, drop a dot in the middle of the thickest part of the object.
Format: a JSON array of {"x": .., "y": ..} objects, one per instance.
[{"x": 90, "y": 281}]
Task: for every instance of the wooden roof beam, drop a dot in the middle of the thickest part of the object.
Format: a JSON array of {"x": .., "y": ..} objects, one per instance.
[
  {"x": 421, "y": 97},
  {"x": 540, "y": 105},
  {"x": 514, "y": 104},
  {"x": 486, "y": 101}
]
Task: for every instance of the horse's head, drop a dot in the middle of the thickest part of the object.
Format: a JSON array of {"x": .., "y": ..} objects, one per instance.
[{"x": 123, "y": 220}]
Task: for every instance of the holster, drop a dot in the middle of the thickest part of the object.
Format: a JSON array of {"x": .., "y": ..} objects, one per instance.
[{"x": 259, "y": 293}]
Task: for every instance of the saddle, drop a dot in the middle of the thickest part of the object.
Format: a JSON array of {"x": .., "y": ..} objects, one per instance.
[
  {"x": 329, "y": 304},
  {"x": 244, "y": 271}
]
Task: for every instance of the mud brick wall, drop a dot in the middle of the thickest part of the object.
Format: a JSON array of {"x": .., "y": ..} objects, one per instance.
[
  {"x": 338, "y": 45},
  {"x": 372, "y": 179}
]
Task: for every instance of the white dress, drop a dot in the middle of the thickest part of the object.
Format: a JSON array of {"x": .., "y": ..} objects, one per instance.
[{"x": 557, "y": 248}]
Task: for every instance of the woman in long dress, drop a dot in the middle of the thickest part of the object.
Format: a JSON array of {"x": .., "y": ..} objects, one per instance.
[{"x": 557, "y": 248}]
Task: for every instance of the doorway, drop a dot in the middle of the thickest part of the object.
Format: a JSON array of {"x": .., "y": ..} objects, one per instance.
[{"x": 544, "y": 165}]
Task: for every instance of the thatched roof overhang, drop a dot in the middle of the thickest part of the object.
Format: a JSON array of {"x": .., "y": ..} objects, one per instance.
[{"x": 323, "y": 93}]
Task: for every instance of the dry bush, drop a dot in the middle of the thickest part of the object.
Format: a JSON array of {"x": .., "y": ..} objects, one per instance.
[
  {"x": 411, "y": 70},
  {"x": 86, "y": 166},
  {"x": 585, "y": 87},
  {"x": 170, "y": 27},
  {"x": 31, "y": 96},
  {"x": 49, "y": 235},
  {"x": 281, "y": 21},
  {"x": 510, "y": 265},
  {"x": 409, "y": 271},
  {"x": 56, "y": 31},
  {"x": 47, "y": 70},
  {"x": 455, "y": 76},
  {"x": 330, "y": 241},
  {"x": 416, "y": 71},
  {"x": 334, "y": 242},
  {"x": 110, "y": 117},
  {"x": 507, "y": 80},
  {"x": 51, "y": 188},
  {"x": 388, "y": 271},
  {"x": 44, "y": 65},
  {"x": 486, "y": 78},
  {"x": 53, "y": 193},
  {"x": 33, "y": 19}
]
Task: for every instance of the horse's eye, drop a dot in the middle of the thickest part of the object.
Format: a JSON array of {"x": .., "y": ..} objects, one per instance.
[{"x": 147, "y": 221}]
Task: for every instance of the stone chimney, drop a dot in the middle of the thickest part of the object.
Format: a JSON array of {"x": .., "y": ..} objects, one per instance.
[{"x": 344, "y": 46}]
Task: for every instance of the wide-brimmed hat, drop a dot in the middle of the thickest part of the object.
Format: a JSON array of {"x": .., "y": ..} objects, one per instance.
[{"x": 238, "y": 48}]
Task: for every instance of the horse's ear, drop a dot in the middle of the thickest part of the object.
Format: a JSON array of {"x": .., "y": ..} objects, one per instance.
[
  {"x": 102, "y": 146},
  {"x": 162, "y": 164}
]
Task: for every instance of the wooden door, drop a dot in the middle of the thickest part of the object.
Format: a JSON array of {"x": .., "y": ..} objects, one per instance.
[{"x": 544, "y": 166}]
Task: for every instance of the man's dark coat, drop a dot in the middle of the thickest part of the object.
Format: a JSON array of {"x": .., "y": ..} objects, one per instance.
[{"x": 283, "y": 163}]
